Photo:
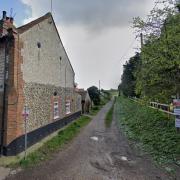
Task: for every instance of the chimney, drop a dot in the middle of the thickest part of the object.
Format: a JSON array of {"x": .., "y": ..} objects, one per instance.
[
  {"x": 4, "y": 15},
  {"x": 11, "y": 20}
]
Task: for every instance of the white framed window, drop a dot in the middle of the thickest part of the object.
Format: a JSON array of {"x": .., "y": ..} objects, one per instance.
[
  {"x": 56, "y": 110},
  {"x": 68, "y": 107}
]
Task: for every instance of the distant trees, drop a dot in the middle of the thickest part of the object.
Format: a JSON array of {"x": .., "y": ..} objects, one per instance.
[
  {"x": 94, "y": 95},
  {"x": 155, "y": 73},
  {"x": 106, "y": 94},
  {"x": 128, "y": 79}
]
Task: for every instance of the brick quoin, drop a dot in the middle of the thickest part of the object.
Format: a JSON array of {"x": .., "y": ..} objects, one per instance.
[
  {"x": 24, "y": 80},
  {"x": 2, "y": 56},
  {"x": 14, "y": 124}
]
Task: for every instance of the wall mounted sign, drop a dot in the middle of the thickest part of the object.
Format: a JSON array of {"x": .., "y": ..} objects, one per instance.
[{"x": 176, "y": 104}]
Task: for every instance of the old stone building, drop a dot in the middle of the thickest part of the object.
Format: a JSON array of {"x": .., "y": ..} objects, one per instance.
[
  {"x": 36, "y": 74},
  {"x": 85, "y": 100}
]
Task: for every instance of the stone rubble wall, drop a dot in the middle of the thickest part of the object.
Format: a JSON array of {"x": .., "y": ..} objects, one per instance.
[
  {"x": 39, "y": 100},
  {"x": 48, "y": 64}
]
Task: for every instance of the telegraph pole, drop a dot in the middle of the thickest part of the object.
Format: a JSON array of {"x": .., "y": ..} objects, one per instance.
[
  {"x": 99, "y": 86},
  {"x": 141, "y": 36},
  {"x": 51, "y": 6}
]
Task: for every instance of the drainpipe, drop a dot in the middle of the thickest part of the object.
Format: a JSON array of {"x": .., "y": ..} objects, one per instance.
[
  {"x": 65, "y": 86},
  {"x": 4, "y": 99}
]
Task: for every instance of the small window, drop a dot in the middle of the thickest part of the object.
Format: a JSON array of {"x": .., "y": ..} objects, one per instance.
[
  {"x": 38, "y": 44},
  {"x": 56, "y": 110},
  {"x": 68, "y": 107}
]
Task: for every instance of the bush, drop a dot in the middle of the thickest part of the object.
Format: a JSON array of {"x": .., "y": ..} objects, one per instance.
[{"x": 94, "y": 95}]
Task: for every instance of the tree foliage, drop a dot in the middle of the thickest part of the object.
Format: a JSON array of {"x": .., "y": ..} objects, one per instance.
[
  {"x": 94, "y": 95},
  {"x": 157, "y": 74},
  {"x": 128, "y": 79},
  {"x": 151, "y": 27}
]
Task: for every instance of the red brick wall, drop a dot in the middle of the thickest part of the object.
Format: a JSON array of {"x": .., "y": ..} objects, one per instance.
[
  {"x": 2, "y": 56},
  {"x": 15, "y": 99}
]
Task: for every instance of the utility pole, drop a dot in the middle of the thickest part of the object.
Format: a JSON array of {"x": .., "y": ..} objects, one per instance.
[
  {"x": 141, "y": 36},
  {"x": 99, "y": 86},
  {"x": 51, "y": 6}
]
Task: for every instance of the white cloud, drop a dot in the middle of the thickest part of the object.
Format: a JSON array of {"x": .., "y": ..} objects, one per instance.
[{"x": 95, "y": 34}]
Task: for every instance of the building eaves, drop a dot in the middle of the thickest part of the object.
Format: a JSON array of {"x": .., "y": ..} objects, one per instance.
[{"x": 28, "y": 26}]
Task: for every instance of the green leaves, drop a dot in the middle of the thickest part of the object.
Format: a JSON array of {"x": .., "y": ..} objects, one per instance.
[
  {"x": 158, "y": 74},
  {"x": 94, "y": 95},
  {"x": 128, "y": 78},
  {"x": 154, "y": 74}
]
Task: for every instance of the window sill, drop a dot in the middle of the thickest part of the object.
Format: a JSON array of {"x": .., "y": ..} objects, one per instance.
[{"x": 55, "y": 118}]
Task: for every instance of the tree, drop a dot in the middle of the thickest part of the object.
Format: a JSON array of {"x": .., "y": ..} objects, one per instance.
[
  {"x": 151, "y": 28},
  {"x": 158, "y": 77},
  {"x": 154, "y": 74},
  {"x": 106, "y": 94},
  {"x": 94, "y": 94},
  {"x": 128, "y": 79}
]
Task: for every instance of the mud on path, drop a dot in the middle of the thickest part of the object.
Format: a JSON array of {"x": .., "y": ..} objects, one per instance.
[{"x": 97, "y": 153}]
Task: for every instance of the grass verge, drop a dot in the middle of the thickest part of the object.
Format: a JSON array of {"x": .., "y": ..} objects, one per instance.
[
  {"x": 44, "y": 152},
  {"x": 152, "y": 129},
  {"x": 95, "y": 110},
  {"x": 109, "y": 117}
]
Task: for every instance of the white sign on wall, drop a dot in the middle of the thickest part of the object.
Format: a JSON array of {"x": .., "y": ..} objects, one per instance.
[
  {"x": 176, "y": 104},
  {"x": 25, "y": 112},
  {"x": 177, "y": 122},
  {"x": 177, "y": 111}
]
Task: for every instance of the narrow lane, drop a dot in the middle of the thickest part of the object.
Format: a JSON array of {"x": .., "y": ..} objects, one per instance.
[{"x": 97, "y": 153}]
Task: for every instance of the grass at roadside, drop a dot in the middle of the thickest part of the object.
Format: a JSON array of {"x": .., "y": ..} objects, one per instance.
[
  {"x": 109, "y": 117},
  {"x": 64, "y": 136},
  {"x": 152, "y": 129},
  {"x": 95, "y": 110}
]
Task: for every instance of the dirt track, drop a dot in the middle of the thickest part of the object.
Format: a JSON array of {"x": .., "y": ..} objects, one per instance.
[{"x": 86, "y": 158}]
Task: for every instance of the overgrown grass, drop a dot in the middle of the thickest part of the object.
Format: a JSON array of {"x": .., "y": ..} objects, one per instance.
[
  {"x": 109, "y": 117},
  {"x": 51, "y": 146},
  {"x": 103, "y": 101},
  {"x": 95, "y": 110},
  {"x": 152, "y": 128}
]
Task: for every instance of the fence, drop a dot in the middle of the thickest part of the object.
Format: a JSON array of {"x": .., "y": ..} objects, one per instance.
[{"x": 162, "y": 107}]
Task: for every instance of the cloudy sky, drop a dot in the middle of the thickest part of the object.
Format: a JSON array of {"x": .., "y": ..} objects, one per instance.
[{"x": 97, "y": 34}]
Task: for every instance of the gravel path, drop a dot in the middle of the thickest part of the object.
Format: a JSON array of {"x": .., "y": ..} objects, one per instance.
[{"x": 96, "y": 153}]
